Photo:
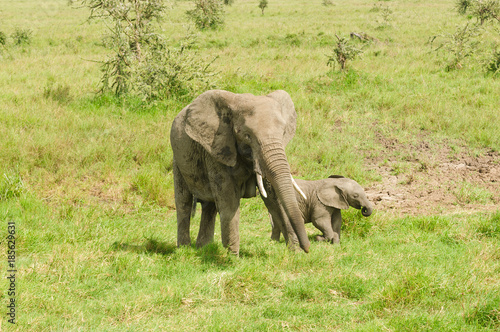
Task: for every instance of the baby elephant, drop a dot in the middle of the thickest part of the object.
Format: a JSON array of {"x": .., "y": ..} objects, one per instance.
[{"x": 324, "y": 200}]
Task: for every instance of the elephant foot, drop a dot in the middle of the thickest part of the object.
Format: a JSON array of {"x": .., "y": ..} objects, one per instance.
[
  {"x": 336, "y": 239},
  {"x": 275, "y": 238},
  {"x": 320, "y": 238},
  {"x": 235, "y": 252},
  {"x": 293, "y": 247},
  {"x": 184, "y": 242}
]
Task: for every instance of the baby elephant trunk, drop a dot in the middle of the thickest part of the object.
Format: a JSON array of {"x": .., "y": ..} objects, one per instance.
[{"x": 366, "y": 211}]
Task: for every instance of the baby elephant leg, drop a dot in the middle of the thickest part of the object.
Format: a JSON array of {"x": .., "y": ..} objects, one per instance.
[
  {"x": 321, "y": 219},
  {"x": 336, "y": 225}
]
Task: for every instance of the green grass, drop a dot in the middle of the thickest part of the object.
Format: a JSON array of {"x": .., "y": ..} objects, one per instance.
[{"x": 87, "y": 178}]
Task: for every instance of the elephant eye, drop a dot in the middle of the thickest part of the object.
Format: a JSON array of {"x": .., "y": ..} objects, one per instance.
[
  {"x": 355, "y": 196},
  {"x": 247, "y": 137}
]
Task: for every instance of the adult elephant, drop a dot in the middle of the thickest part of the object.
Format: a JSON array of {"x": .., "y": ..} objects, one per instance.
[{"x": 223, "y": 145}]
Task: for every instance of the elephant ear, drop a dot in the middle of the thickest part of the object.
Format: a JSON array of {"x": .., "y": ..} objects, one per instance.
[
  {"x": 333, "y": 196},
  {"x": 208, "y": 121},
  {"x": 288, "y": 113}
]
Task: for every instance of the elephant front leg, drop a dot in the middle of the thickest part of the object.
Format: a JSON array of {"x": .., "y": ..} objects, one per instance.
[
  {"x": 183, "y": 205},
  {"x": 321, "y": 219},
  {"x": 227, "y": 194},
  {"x": 336, "y": 225},
  {"x": 207, "y": 224},
  {"x": 230, "y": 232}
]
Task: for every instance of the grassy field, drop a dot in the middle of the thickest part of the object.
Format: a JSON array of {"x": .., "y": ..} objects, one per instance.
[{"x": 86, "y": 179}]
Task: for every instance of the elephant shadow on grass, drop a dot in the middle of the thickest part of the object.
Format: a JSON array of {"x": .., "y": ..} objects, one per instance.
[
  {"x": 150, "y": 246},
  {"x": 211, "y": 254}
]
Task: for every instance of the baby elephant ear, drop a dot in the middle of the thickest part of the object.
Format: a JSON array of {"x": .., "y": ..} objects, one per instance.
[{"x": 333, "y": 196}]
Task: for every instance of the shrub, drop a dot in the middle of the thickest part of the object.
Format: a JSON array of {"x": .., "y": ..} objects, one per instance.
[
  {"x": 3, "y": 38},
  {"x": 493, "y": 64},
  {"x": 385, "y": 16},
  {"x": 463, "y": 6},
  {"x": 22, "y": 36},
  {"x": 482, "y": 10},
  {"x": 142, "y": 64},
  {"x": 460, "y": 45},
  {"x": 263, "y": 5},
  {"x": 344, "y": 51},
  {"x": 171, "y": 72},
  {"x": 207, "y": 14}
]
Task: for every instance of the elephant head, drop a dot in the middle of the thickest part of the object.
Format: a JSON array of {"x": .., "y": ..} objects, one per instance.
[
  {"x": 344, "y": 192},
  {"x": 253, "y": 130}
]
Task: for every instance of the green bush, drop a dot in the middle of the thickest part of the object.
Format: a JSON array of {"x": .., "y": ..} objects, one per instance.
[
  {"x": 343, "y": 51},
  {"x": 169, "y": 72},
  {"x": 263, "y": 5},
  {"x": 142, "y": 63},
  {"x": 493, "y": 64},
  {"x": 482, "y": 10},
  {"x": 22, "y": 36},
  {"x": 207, "y": 14},
  {"x": 3, "y": 38},
  {"x": 460, "y": 45}
]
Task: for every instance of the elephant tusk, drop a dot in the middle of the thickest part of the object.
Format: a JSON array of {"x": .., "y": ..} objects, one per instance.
[
  {"x": 296, "y": 186},
  {"x": 261, "y": 186}
]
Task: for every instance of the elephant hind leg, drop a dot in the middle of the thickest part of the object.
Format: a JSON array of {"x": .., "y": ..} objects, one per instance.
[
  {"x": 207, "y": 224},
  {"x": 183, "y": 206}
]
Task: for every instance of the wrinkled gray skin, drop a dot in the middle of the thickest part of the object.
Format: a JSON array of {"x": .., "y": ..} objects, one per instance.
[
  {"x": 325, "y": 200},
  {"x": 220, "y": 142}
]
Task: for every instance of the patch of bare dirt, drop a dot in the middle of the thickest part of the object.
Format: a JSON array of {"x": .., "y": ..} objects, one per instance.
[{"x": 429, "y": 178}]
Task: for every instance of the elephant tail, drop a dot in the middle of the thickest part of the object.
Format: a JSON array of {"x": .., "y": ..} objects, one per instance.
[{"x": 193, "y": 208}]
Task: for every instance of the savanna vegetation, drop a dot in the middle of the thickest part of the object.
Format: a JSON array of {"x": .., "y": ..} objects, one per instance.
[{"x": 86, "y": 169}]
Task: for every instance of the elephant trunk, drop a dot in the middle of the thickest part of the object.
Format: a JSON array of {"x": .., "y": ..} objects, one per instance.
[
  {"x": 366, "y": 211},
  {"x": 277, "y": 171}
]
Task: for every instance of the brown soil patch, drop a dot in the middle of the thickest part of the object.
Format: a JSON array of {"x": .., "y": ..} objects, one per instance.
[{"x": 428, "y": 178}]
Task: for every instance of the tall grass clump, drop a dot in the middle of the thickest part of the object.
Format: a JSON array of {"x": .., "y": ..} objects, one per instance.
[
  {"x": 11, "y": 186},
  {"x": 486, "y": 313},
  {"x": 489, "y": 227}
]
